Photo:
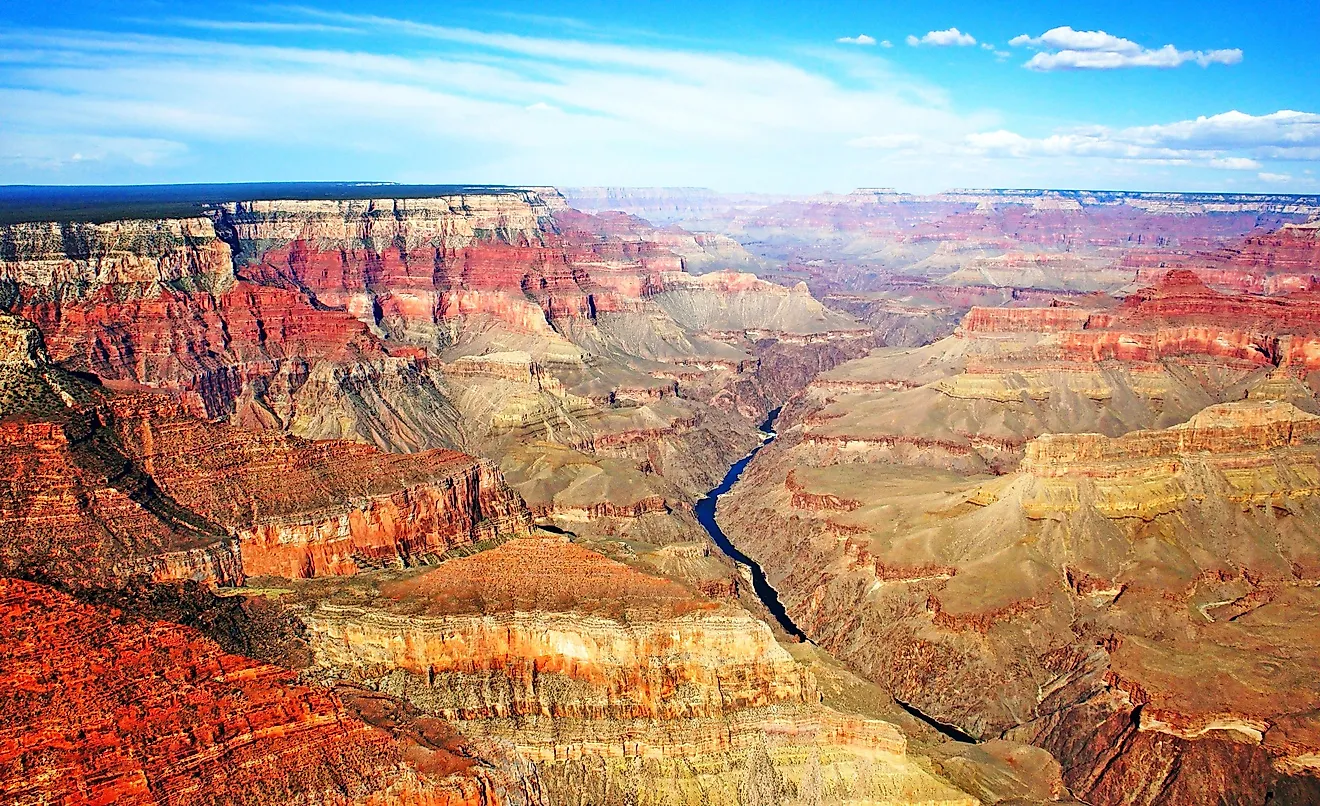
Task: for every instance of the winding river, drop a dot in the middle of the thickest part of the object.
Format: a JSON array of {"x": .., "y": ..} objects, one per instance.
[{"x": 705, "y": 511}]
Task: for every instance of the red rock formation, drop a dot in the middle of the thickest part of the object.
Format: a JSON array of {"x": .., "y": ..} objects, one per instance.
[
  {"x": 802, "y": 499},
  {"x": 1177, "y": 316},
  {"x": 1024, "y": 320},
  {"x": 1284, "y": 261},
  {"x": 100, "y": 486},
  {"x": 304, "y": 509},
  {"x": 99, "y": 708},
  {"x": 75, "y": 508}
]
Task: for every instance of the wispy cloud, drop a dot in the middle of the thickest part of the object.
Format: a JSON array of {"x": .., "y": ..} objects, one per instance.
[
  {"x": 58, "y": 152},
  {"x": 464, "y": 106},
  {"x": 1231, "y": 140},
  {"x": 1066, "y": 49},
  {"x": 259, "y": 26},
  {"x": 413, "y": 101},
  {"x": 945, "y": 38},
  {"x": 860, "y": 39},
  {"x": 889, "y": 142}
]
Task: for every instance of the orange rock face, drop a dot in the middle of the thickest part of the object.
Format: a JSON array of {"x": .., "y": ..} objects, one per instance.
[
  {"x": 74, "y": 507},
  {"x": 97, "y": 488},
  {"x": 302, "y": 509},
  {"x": 99, "y": 708},
  {"x": 570, "y": 632}
]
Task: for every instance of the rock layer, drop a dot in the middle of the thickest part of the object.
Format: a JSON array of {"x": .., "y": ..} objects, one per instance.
[
  {"x": 100, "y": 708},
  {"x": 1120, "y": 602},
  {"x": 588, "y": 667}
]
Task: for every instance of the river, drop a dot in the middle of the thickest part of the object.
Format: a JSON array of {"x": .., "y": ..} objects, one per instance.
[
  {"x": 705, "y": 511},
  {"x": 769, "y": 597}
]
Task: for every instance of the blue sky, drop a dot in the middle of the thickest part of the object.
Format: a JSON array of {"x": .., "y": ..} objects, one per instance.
[{"x": 799, "y": 97}]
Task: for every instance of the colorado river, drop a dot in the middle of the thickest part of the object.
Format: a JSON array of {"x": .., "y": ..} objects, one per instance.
[{"x": 705, "y": 511}]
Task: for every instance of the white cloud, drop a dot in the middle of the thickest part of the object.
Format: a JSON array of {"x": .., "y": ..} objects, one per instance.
[
  {"x": 886, "y": 141},
  {"x": 1229, "y": 141},
  {"x": 1235, "y": 163},
  {"x": 58, "y": 152},
  {"x": 547, "y": 110},
  {"x": 460, "y": 105},
  {"x": 1266, "y": 176},
  {"x": 885, "y": 43},
  {"x": 949, "y": 36},
  {"x": 860, "y": 39},
  {"x": 1063, "y": 48}
]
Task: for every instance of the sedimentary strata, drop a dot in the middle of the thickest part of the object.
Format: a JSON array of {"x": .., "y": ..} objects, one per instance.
[{"x": 1136, "y": 605}]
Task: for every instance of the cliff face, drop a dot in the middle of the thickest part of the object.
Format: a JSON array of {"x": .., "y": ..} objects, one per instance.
[
  {"x": 971, "y": 401},
  {"x": 580, "y": 361},
  {"x": 1277, "y": 262},
  {"x": 312, "y": 508},
  {"x": 575, "y": 635},
  {"x": 587, "y": 667},
  {"x": 104, "y": 486},
  {"x": 384, "y": 321},
  {"x": 1081, "y": 525},
  {"x": 138, "y": 254},
  {"x": 74, "y": 506},
  {"x": 101, "y": 708}
]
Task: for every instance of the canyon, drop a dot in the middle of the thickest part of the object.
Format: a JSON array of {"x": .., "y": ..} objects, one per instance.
[{"x": 496, "y": 495}]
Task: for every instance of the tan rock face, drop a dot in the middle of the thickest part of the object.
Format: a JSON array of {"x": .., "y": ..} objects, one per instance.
[
  {"x": 547, "y": 615},
  {"x": 136, "y": 254},
  {"x": 569, "y": 658}
]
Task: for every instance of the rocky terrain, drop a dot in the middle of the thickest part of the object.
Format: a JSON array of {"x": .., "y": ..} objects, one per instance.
[
  {"x": 912, "y": 265},
  {"x": 1086, "y": 526},
  {"x": 289, "y": 454},
  {"x": 339, "y": 499}
]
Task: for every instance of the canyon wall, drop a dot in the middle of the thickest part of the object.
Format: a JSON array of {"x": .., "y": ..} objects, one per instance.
[
  {"x": 1092, "y": 549},
  {"x": 104, "y": 708}
]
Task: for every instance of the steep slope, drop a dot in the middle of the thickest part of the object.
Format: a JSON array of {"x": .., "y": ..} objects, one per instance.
[
  {"x": 103, "y": 708},
  {"x": 483, "y": 321},
  {"x": 266, "y": 399},
  {"x": 100, "y": 487},
  {"x": 971, "y": 401},
  {"x": 876, "y": 252},
  {"x": 606, "y": 679}
]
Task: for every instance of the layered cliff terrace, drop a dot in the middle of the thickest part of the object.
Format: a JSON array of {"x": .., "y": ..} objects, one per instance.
[{"x": 1179, "y": 315}]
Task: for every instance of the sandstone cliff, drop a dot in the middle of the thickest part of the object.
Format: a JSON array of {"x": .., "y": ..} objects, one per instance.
[
  {"x": 101, "y": 486},
  {"x": 606, "y": 678}
]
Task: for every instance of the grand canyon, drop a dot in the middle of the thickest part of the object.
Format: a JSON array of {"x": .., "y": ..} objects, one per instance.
[{"x": 422, "y": 495}]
